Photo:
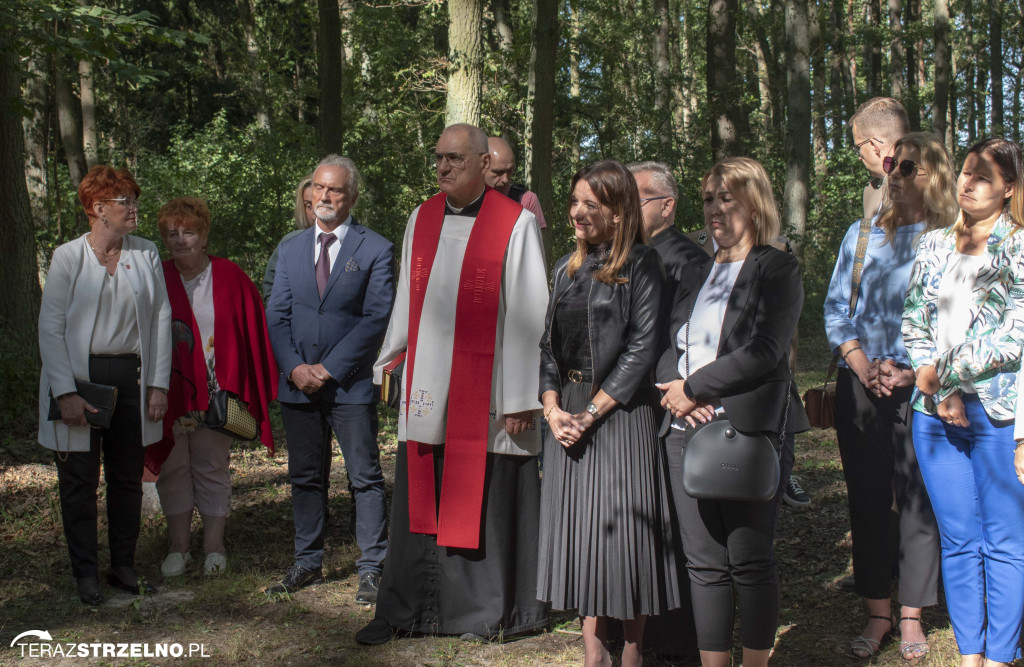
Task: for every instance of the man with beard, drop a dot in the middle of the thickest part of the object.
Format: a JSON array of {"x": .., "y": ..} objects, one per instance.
[
  {"x": 327, "y": 315},
  {"x": 468, "y": 317}
]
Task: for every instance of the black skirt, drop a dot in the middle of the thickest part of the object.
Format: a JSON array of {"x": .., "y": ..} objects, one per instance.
[{"x": 605, "y": 530}]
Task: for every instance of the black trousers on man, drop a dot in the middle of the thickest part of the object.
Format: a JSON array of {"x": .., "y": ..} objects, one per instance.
[{"x": 78, "y": 473}]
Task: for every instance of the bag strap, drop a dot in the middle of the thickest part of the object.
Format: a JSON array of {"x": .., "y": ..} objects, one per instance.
[{"x": 858, "y": 270}]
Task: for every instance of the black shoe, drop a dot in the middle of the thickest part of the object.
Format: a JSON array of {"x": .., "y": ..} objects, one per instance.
[
  {"x": 377, "y": 632},
  {"x": 89, "y": 590},
  {"x": 369, "y": 584},
  {"x": 846, "y": 585},
  {"x": 297, "y": 578},
  {"x": 138, "y": 585},
  {"x": 794, "y": 494}
]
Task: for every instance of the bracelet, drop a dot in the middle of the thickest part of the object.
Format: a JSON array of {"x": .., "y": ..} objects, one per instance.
[
  {"x": 548, "y": 411},
  {"x": 851, "y": 351}
]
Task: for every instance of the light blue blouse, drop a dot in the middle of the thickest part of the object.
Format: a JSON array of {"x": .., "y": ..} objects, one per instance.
[{"x": 883, "y": 289}]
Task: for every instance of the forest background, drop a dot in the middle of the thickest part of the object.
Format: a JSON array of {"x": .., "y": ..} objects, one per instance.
[{"x": 234, "y": 101}]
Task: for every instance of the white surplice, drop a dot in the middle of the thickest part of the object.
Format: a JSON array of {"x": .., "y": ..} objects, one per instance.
[{"x": 516, "y": 378}]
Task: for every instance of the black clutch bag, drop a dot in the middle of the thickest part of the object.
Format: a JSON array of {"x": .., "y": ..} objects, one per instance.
[
  {"x": 721, "y": 463},
  {"x": 229, "y": 415},
  {"x": 103, "y": 397}
]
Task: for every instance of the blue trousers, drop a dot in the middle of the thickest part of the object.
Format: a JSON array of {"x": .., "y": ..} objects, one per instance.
[
  {"x": 308, "y": 427},
  {"x": 979, "y": 506}
]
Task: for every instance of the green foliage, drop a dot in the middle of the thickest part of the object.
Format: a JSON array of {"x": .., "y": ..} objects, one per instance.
[{"x": 246, "y": 175}]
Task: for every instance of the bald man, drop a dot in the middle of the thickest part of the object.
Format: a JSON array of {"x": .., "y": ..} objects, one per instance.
[{"x": 499, "y": 177}]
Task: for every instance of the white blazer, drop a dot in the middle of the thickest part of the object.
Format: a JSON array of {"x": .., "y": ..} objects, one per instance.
[{"x": 67, "y": 317}]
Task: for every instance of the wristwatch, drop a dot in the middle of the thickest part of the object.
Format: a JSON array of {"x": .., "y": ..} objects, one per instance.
[{"x": 592, "y": 409}]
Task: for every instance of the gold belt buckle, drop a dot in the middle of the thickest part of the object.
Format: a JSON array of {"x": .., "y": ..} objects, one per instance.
[{"x": 575, "y": 376}]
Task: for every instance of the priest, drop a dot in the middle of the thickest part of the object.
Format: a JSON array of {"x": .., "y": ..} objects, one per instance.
[{"x": 468, "y": 317}]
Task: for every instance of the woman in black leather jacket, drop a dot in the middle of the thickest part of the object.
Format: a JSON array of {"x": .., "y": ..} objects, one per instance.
[
  {"x": 731, "y": 324},
  {"x": 606, "y": 547}
]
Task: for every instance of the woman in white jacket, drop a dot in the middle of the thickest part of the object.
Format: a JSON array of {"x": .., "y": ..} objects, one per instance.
[{"x": 104, "y": 319}]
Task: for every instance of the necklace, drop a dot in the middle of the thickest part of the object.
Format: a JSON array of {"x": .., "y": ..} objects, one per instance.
[{"x": 101, "y": 253}]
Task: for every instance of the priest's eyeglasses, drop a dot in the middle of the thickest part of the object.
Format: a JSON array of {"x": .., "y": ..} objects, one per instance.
[
  {"x": 644, "y": 200},
  {"x": 455, "y": 160}
]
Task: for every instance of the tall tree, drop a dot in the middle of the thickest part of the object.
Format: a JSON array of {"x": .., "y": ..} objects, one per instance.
[
  {"x": 466, "y": 56},
  {"x": 19, "y": 309},
  {"x": 817, "y": 45},
  {"x": 995, "y": 59},
  {"x": 912, "y": 98},
  {"x": 940, "y": 107},
  {"x": 662, "y": 75},
  {"x": 726, "y": 110},
  {"x": 873, "y": 48},
  {"x": 540, "y": 102},
  {"x": 252, "y": 53},
  {"x": 897, "y": 61},
  {"x": 798, "y": 120},
  {"x": 331, "y": 64}
]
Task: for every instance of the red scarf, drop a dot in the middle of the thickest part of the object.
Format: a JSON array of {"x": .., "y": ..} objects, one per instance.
[
  {"x": 457, "y": 522},
  {"x": 244, "y": 359}
]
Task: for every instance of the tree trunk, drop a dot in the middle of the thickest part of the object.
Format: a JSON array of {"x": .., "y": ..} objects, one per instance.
[
  {"x": 680, "y": 82},
  {"x": 942, "y": 68},
  {"x": 69, "y": 110},
  {"x": 19, "y": 309},
  {"x": 1017, "y": 92},
  {"x": 301, "y": 36},
  {"x": 331, "y": 65},
  {"x": 766, "y": 67},
  {"x": 912, "y": 100},
  {"x": 843, "y": 98},
  {"x": 90, "y": 144},
  {"x": 252, "y": 53},
  {"x": 995, "y": 59},
  {"x": 723, "y": 98},
  {"x": 506, "y": 38},
  {"x": 897, "y": 62},
  {"x": 575, "y": 32},
  {"x": 798, "y": 121},
  {"x": 951, "y": 126},
  {"x": 540, "y": 105},
  {"x": 37, "y": 135},
  {"x": 466, "y": 56},
  {"x": 873, "y": 48},
  {"x": 817, "y": 89},
  {"x": 662, "y": 76},
  {"x": 970, "y": 101}
]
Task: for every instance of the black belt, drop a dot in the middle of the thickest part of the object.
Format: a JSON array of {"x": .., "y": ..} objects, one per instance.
[{"x": 579, "y": 376}]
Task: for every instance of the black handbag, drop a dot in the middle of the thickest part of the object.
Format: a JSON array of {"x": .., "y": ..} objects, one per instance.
[
  {"x": 229, "y": 415},
  {"x": 103, "y": 397},
  {"x": 723, "y": 463}
]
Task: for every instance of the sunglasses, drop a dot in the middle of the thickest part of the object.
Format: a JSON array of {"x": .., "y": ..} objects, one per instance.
[{"x": 906, "y": 167}]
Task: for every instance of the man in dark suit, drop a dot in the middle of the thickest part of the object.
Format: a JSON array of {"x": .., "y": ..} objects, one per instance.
[{"x": 327, "y": 315}]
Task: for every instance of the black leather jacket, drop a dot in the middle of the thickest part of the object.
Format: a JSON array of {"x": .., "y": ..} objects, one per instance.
[{"x": 625, "y": 326}]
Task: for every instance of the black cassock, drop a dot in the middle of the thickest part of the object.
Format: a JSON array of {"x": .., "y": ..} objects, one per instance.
[{"x": 490, "y": 591}]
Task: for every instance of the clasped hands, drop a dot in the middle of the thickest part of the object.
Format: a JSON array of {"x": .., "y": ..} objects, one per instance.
[
  {"x": 73, "y": 407},
  {"x": 680, "y": 405},
  {"x": 309, "y": 377},
  {"x": 567, "y": 427}
]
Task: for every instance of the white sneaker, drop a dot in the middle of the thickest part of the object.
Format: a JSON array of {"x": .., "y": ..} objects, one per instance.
[
  {"x": 175, "y": 564},
  {"x": 215, "y": 564}
]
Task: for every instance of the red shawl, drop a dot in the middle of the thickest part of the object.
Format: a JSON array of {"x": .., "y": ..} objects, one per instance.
[{"x": 244, "y": 360}]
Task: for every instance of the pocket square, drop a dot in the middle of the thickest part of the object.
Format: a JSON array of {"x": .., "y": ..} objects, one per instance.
[{"x": 351, "y": 265}]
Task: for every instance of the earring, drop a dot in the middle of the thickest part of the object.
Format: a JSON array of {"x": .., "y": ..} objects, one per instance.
[{"x": 105, "y": 223}]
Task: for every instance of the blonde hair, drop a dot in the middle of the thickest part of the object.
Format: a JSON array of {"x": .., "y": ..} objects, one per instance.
[
  {"x": 939, "y": 191},
  {"x": 882, "y": 118},
  {"x": 301, "y": 221},
  {"x": 615, "y": 188},
  {"x": 747, "y": 181}
]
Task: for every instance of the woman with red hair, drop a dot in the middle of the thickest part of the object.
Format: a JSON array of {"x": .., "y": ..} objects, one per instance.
[{"x": 104, "y": 319}]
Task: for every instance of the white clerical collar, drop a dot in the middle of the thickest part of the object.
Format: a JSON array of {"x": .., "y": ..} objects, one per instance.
[{"x": 468, "y": 209}]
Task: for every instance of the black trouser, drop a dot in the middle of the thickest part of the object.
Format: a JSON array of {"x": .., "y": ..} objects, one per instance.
[
  {"x": 880, "y": 464},
  {"x": 78, "y": 473},
  {"x": 729, "y": 542}
]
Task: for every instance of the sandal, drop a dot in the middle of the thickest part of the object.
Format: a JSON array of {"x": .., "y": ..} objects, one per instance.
[
  {"x": 921, "y": 648},
  {"x": 863, "y": 648}
]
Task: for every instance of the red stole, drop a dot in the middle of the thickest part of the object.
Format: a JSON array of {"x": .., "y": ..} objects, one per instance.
[{"x": 457, "y": 521}]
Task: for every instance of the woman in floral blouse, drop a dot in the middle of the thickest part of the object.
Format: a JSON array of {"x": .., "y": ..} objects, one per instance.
[{"x": 963, "y": 327}]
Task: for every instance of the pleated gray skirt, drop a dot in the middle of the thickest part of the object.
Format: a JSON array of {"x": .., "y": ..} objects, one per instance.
[{"x": 605, "y": 535}]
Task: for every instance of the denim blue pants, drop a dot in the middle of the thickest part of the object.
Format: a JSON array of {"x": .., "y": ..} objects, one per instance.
[{"x": 979, "y": 506}]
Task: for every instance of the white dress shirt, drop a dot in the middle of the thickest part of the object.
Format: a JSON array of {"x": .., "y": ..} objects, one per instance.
[{"x": 332, "y": 252}]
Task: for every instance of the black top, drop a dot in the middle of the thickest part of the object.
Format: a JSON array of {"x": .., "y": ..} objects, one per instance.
[
  {"x": 676, "y": 252},
  {"x": 571, "y": 329}
]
